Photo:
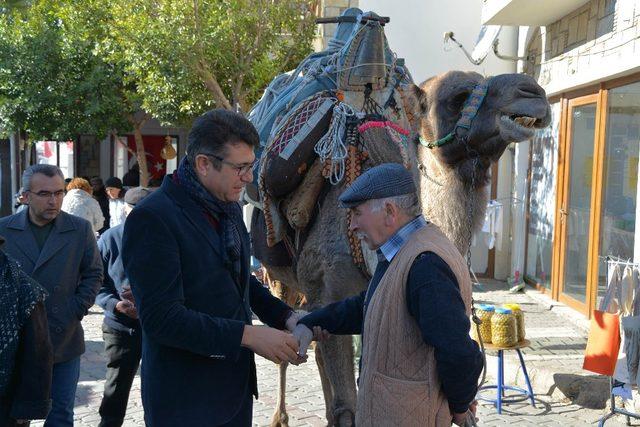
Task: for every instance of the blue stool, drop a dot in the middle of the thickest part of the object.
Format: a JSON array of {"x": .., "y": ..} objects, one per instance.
[{"x": 520, "y": 393}]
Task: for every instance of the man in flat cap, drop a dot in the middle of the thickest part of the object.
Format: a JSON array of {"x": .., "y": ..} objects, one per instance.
[
  {"x": 418, "y": 366},
  {"x": 121, "y": 327}
]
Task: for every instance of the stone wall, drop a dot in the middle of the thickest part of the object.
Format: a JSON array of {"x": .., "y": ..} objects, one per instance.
[
  {"x": 593, "y": 43},
  {"x": 330, "y": 8}
]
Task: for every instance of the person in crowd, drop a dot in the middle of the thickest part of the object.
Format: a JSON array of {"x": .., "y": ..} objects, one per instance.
[
  {"x": 59, "y": 251},
  {"x": 116, "y": 192},
  {"x": 414, "y": 315},
  {"x": 26, "y": 359},
  {"x": 120, "y": 328},
  {"x": 132, "y": 177},
  {"x": 100, "y": 194},
  {"x": 155, "y": 182},
  {"x": 185, "y": 251},
  {"x": 79, "y": 202},
  {"x": 21, "y": 201}
]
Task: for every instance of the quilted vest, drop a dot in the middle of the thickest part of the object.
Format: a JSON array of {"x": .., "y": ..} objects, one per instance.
[{"x": 399, "y": 384}]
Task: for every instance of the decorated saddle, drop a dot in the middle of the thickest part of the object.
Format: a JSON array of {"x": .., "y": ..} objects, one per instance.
[{"x": 319, "y": 124}]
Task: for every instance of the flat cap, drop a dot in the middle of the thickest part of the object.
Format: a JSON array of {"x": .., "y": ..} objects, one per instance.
[
  {"x": 385, "y": 180},
  {"x": 135, "y": 194}
]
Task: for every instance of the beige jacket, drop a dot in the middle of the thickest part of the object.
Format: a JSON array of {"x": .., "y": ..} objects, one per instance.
[{"x": 399, "y": 384}]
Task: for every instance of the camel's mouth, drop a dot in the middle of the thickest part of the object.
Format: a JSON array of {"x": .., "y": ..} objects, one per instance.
[{"x": 516, "y": 127}]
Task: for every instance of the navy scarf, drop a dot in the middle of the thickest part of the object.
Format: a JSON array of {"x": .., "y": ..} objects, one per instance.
[{"x": 228, "y": 215}]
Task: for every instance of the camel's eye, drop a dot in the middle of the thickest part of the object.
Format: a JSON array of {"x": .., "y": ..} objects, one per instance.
[{"x": 457, "y": 101}]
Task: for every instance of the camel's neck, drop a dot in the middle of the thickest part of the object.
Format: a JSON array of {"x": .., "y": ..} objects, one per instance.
[{"x": 447, "y": 201}]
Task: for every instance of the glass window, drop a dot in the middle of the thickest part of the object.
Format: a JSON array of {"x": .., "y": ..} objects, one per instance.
[
  {"x": 618, "y": 226},
  {"x": 542, "y": 190},
  {"x": 578, "y": 207},
  {"x": 58, "y": 153},
  {"x": 46, "y": 152},
  {"x": 120, "y": 166},
  {"x": 66, "y": 158}
]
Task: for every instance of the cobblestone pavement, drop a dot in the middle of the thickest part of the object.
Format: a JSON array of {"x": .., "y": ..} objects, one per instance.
[{"x": 304, "y": 396}]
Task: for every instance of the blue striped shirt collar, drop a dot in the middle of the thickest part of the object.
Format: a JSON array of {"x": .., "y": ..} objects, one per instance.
[{"x": 391, "y": 247}]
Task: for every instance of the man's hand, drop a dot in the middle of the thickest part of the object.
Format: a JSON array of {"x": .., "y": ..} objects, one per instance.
[
  {"x": 293, "y": 318},
  {"x": 320, "y": 334},
  {"x": 460, "y": 419},
  {"x": 127, "y": 308},
  {"x": 303, "y": 336},
  {"x": 272, "y": 344},
  {"x": 126, "y": 293}
]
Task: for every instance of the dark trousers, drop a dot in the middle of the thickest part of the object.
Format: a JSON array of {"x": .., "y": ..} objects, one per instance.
[
  {"x": 244, "y": 416},
  {"x": 123, "y": 358},
  {"x": 64, "y": 383}
]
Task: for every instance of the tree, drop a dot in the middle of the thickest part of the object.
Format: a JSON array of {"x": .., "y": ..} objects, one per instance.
[
  {"x": 188, "y": 56},
  {"x": 70, "y": 67},
  {"x": 52, "y": 85},
  {"x": 56, "y": 82}
]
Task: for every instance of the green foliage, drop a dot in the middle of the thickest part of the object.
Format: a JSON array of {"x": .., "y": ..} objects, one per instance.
[
  {"x": 179, "y": 52},
  {"x": 52, "y": 83},
  {"x": 70, "y": 67}
]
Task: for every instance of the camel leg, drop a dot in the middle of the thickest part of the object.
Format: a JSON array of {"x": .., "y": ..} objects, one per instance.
[
  {"x": 280, "y": 416},
  {"x": 339, "y": 373},
  {"x": 326, "y": 385}
]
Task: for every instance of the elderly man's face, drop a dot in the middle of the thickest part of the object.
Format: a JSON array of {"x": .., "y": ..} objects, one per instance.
[{"x": 370, "y": 227}]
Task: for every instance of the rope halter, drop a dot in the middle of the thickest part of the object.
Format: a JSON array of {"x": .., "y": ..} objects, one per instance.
[{"x": 469, "y": 112}]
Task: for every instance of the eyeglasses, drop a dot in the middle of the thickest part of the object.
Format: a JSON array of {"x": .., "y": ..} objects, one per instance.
[
  {"x": 240, "y": 169},
  {"x": 48, "y": 194}
]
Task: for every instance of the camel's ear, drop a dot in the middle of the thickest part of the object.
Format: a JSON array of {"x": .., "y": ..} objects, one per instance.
[{"x": 421, "y": 98}]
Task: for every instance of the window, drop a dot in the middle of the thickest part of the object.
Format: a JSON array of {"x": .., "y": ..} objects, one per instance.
[{"x": 542, "y": 190}]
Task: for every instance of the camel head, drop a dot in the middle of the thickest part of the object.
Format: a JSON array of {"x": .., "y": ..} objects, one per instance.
[{"x": 512, "y": 109}]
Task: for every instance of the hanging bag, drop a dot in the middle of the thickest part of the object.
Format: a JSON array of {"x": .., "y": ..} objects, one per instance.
[{"x": 603, "y": 343}]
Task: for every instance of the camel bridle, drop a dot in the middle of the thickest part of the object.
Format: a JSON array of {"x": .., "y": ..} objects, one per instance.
[{"x": 469, "y": 112}]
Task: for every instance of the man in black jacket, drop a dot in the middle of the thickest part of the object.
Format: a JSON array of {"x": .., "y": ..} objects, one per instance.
[
  {"x": 121, "y": 328},
  {"x": 186, "y": 253}
]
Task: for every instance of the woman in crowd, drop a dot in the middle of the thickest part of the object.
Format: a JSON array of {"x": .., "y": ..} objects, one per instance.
[
  {"x": 79, "y": 202},
  {"x": 115, "y": 192}
]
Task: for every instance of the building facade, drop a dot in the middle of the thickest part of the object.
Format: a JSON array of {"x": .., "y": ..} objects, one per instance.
[{"x": 579, "y": 176}]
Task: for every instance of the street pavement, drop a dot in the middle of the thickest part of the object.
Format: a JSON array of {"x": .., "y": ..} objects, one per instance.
[{"x": 556, "y": 349}]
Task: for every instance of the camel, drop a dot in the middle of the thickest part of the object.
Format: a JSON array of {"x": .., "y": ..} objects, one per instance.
[{"x": 452, "y": 179}]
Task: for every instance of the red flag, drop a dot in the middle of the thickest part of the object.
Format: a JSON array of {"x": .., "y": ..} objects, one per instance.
[{"x": 47, "y": 150}]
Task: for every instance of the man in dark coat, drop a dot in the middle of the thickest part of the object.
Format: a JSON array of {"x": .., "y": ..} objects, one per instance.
[
  {"x": 100, "y": 194},
  {"x": 121, "y": 328},
  {"x": 58, "y": 251},
  {"x": 26, "y": 359},
  {"x": 186, "y": 253}
]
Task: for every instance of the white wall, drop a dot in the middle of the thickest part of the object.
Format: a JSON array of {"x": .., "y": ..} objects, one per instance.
[{"x": 417, "y": 29}]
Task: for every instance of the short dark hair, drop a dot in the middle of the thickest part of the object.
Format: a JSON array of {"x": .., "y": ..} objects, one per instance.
[
  {"x": 46, "y": 170},
  {"x": 213, "y": 130}
]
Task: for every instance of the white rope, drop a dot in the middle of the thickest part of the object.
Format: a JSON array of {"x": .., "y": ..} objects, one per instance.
[{"x": 332, "y": 145}]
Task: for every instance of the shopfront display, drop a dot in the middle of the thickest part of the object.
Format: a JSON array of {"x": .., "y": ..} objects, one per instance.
[{"x": 582, "y": 194}]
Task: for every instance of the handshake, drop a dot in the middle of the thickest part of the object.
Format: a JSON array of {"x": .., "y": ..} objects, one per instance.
[{"x": 282, "y": 346}]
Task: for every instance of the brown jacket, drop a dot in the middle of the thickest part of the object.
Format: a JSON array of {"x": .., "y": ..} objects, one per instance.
[{"x": 399, "y": 383}]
